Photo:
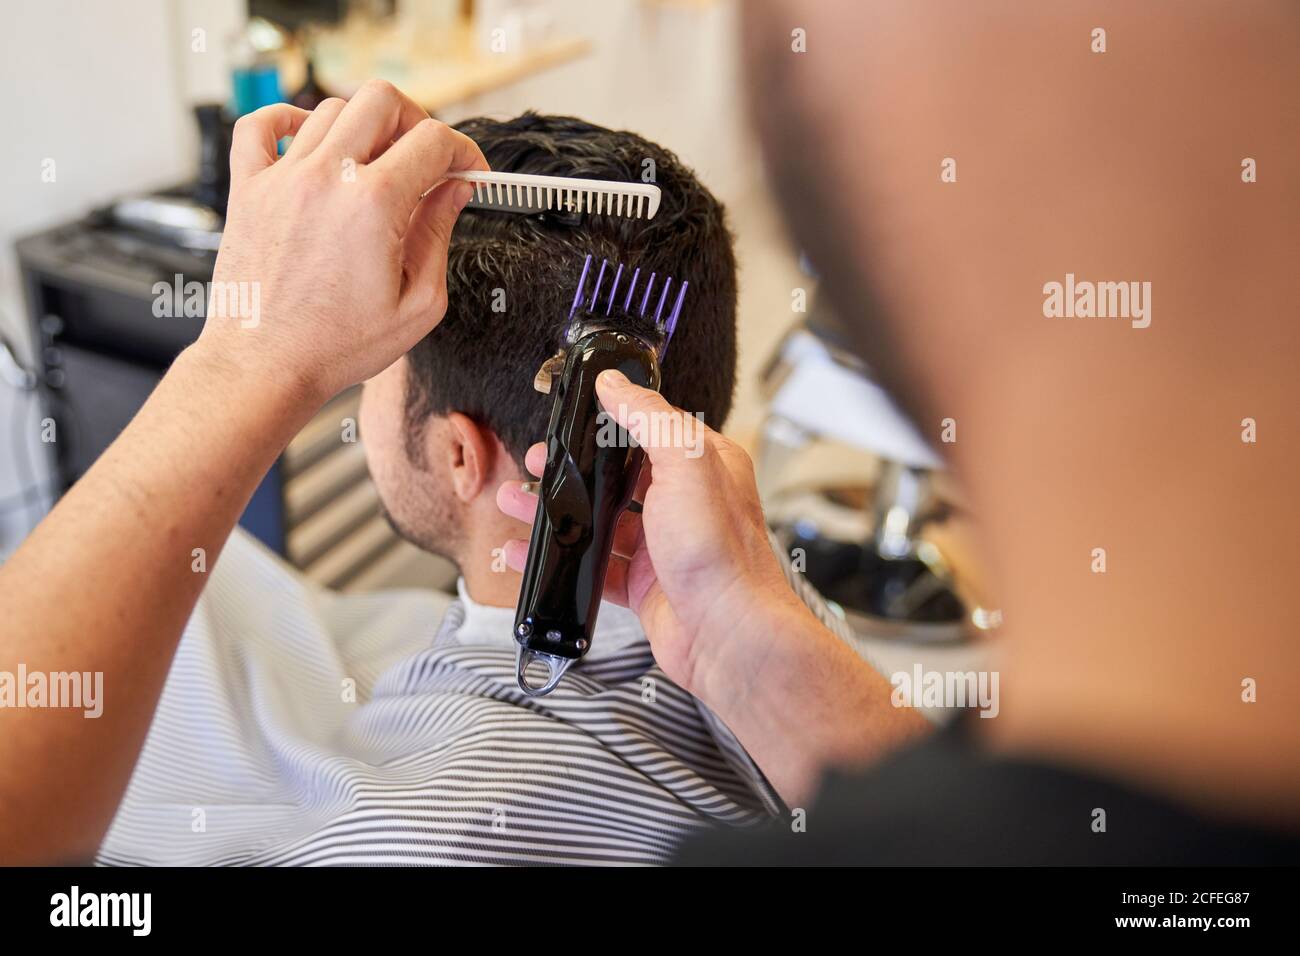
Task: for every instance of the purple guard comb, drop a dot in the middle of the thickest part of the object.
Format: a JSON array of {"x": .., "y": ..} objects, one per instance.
[{"x": 665, "y": 326}]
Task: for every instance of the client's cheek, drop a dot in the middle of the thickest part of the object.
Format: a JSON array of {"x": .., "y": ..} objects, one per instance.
[
  {"x": 374, "y": 437},
  {"x": 380, "y": 417}
]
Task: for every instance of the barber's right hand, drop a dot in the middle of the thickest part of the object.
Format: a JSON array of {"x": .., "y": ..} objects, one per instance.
[
  {"x": 336, "y": 263},
  {"x": 696, "y": 566}
]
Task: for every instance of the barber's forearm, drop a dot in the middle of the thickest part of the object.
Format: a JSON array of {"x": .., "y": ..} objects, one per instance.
[
  {"x": 106, "y": 584},
  {"x": 801, "y": 702}
]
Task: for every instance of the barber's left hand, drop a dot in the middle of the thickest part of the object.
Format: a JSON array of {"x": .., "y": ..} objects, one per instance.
[{"x": 332, "y": 264}]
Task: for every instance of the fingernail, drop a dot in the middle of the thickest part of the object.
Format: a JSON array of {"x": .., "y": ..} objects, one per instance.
[
  {"x": 614, "y": 378},
  {"x": 464, "y": 193}
]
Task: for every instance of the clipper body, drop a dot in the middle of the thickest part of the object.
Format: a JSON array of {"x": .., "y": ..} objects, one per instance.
[
  {"x": 583, "y": 491},
  {"x": 590, "y": 476}
]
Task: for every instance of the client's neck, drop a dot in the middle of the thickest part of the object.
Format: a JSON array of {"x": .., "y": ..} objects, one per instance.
[{"x": 482, "y": 561}]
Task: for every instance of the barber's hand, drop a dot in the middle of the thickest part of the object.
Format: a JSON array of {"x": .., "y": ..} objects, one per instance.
[
  {"x": 332, "y": 265},
  {"x": 696, "y": 566}
]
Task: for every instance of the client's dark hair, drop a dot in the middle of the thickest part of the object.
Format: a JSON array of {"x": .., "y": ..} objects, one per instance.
[{"x": 481, "y": 362}]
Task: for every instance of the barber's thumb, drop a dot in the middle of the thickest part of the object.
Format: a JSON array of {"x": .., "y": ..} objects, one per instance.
[{"x": 632, "y": 406}]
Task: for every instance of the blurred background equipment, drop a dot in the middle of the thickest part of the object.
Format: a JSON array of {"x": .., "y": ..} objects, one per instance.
[{"x": 850, "y": 488}]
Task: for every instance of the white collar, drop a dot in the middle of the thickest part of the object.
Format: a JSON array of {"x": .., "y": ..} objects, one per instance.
[{"x": 617, "y": 628}]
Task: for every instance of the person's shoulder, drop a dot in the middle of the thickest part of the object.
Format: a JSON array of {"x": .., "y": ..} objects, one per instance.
[{"x": 944, "y": 802}]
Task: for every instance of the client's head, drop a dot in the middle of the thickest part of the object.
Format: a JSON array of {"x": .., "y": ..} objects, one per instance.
[{"x": 444, "y": 426}]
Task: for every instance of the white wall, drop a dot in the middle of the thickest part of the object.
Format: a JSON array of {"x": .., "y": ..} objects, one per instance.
[{"x": 664, "y": 70}]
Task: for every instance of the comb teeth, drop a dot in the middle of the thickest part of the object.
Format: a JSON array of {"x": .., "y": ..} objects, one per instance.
[
  {"x": 519, "y": 192},
  {"x": 658, "y": 296}
]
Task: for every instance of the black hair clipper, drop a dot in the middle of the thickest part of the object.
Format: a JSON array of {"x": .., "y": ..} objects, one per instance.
[{"x": 592, "y": 465}]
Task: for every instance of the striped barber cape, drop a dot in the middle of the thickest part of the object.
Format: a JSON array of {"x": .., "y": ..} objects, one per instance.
[{"x": 299, "y": 726}]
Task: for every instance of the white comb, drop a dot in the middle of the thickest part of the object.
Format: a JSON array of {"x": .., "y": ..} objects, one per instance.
[{"x": 519, "y": 192}]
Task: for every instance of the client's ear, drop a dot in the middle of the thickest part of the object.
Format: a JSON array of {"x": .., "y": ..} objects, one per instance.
[{"x": 472, "y": 451}]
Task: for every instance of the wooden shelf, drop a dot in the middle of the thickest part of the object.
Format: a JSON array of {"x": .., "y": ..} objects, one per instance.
[{"x": 436, "y": 70}]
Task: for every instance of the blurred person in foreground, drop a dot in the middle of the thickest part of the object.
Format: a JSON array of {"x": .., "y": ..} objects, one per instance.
[
  {"x": 1164, "y": 692},
  {"x": 1150, "y": 713}
]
